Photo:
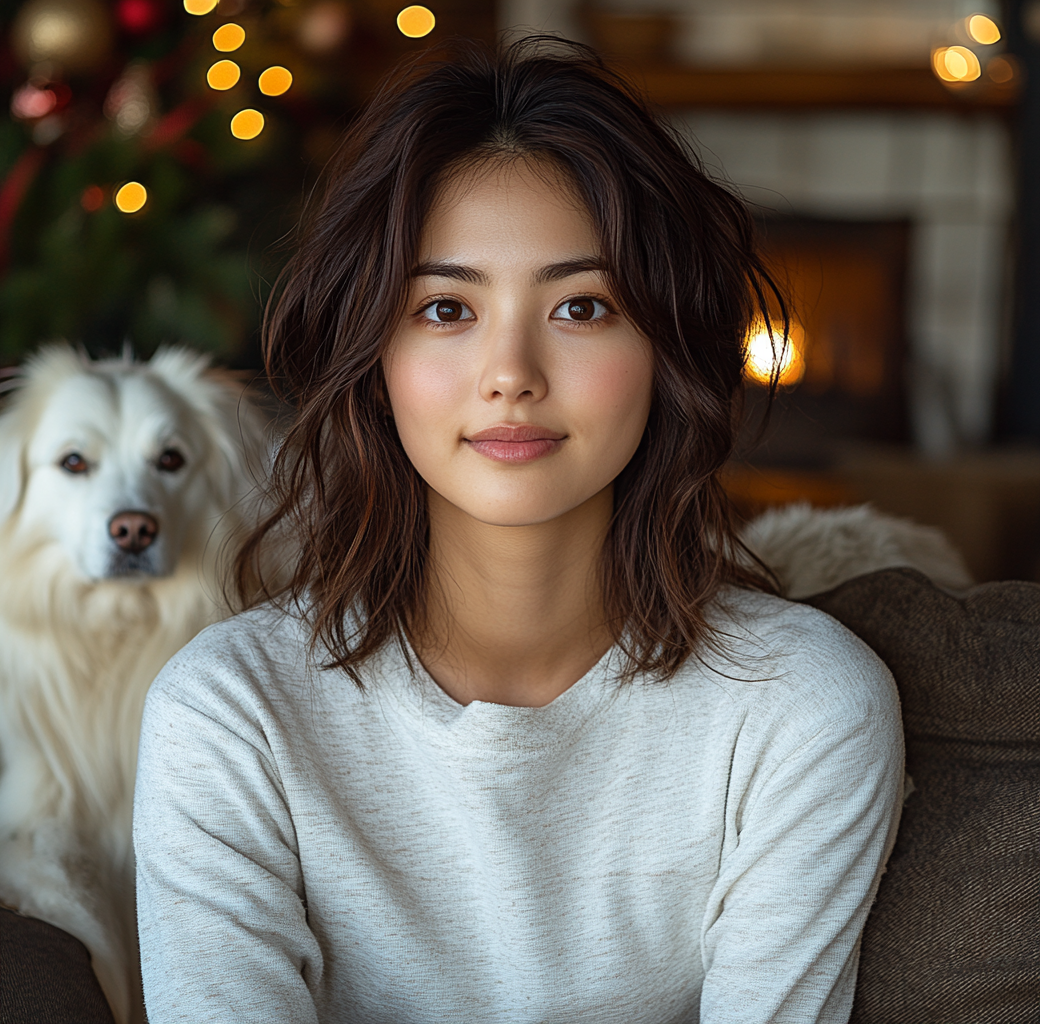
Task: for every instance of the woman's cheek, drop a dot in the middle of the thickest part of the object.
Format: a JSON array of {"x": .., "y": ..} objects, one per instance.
[
  {"x": 617, "y": 386},
  {"x": 425, "y": 394}
]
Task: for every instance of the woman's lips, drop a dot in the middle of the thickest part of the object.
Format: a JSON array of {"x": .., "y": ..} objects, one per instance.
[{"x": 520, "y": 443}]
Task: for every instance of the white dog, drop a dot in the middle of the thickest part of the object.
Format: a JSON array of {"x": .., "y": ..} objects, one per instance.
[
  {"x": 121, "y": 485},
  {"x": 812, "y": 550}
]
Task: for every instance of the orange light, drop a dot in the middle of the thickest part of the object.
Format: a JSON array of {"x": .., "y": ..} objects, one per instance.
[
  {"x": 223, "y": 75},
  {"x": 983, "y": 30},
  {"x": 416, "y": 21},
  {"x": 762, "y": 352},
  {"x": 274, "y": 81},
  {"x": 199, "y": 7},
  {"x": 229, "y": 37},
  {"x": 247, "y": 124},
  {"x": 131, "y": 197},
  {"x": 956, "y": 64}
]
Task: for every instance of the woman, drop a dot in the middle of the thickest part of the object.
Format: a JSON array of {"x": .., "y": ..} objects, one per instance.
[{"x": 522, "y": 739}]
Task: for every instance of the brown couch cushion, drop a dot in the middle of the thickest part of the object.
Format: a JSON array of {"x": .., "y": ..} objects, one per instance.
[
  {"x": 45, "y": 976},
  {"x": 954, "y": 936}
]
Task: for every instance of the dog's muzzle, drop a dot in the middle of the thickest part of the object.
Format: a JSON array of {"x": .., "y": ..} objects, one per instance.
[{"x": 133, "y": 533}]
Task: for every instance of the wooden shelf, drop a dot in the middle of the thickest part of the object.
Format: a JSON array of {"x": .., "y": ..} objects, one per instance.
[{"x": 773, "y": 88}]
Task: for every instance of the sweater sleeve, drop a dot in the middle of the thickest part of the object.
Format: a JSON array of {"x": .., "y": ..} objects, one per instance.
[
  {"x": 221, "y": 911},
  {"x": 781, "y": 932}
]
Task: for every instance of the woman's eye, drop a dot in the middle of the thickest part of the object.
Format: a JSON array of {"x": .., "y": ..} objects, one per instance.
[
  {"x": 583, "y": 308},
  {"x": 447, "y": 311},
  {"x": 170, "y": 461},
  {"x": 74, "y": 463}
]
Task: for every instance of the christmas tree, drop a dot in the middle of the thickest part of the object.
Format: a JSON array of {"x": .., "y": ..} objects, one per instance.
[{"x": 156, "y": 150}]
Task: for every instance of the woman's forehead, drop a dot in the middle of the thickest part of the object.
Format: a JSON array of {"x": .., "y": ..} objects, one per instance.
[{"x": 501, "y": 206}]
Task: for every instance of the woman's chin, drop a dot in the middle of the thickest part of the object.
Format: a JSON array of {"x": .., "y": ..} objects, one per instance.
[{"x": 519, "y": 508}]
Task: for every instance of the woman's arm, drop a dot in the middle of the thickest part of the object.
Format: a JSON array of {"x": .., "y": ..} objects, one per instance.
[
  {"x": 781, "y": 931},
  {"x": 221, "y": 913}
]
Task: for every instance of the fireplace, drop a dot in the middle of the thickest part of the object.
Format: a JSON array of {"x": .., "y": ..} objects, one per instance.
[{"x": 845, "y": 378}]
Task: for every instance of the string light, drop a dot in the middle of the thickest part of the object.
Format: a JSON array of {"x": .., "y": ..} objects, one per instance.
[
  {"x": 223, "y": 75},
  {"x": 983, "y": 30},
  {"x": 956, "y": 64},
  {"x": 416, "y": 21},
  {"x": 229, "y": 37},
  {"x": 274, "y": 81},
  {"x": 131, "y": 197},
  {"x": 247, "y": 124}
]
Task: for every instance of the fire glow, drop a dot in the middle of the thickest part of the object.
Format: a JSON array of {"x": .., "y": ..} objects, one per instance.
[{"x": 764, "y": 349}]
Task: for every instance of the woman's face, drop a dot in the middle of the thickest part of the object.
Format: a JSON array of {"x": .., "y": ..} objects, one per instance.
[{"x": 518, "y": 389}]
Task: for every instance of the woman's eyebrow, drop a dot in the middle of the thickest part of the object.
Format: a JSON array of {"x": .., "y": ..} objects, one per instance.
[
  {"x": 455, "y": 271},
  {"x": 550, "y": 272},
  {"x": 567, "y": 268}
]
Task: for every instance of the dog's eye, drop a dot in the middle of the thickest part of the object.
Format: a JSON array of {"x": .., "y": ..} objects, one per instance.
[
  {"x": 74, "y": 463},
  {"x": 170, "y": 461}
]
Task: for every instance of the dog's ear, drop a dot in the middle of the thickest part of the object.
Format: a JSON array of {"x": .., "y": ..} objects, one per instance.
[
  {"x": 12, "y": 463},
  {"x": 236, "y": 425}
]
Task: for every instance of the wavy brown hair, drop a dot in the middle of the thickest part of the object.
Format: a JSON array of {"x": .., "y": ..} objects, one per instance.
[{"x": 680, "y": 254}]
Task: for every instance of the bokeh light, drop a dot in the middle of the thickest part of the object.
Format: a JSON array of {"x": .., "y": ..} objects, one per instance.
[
  {"x": 131, "y": 197},
  {"x": 762, "y": 352},
  {"x": 30, "y": 102},
  {"x": 416, "y": 21},
  {"x": 956, "y": 64},
  {"x": 229, "y": 37},
  {"x": 93, "y": 198},
  {"x": 247, "y": 124},
  {"x": 983, "y": 30},
  {"x": 324, "y": 26},
  {"x": 274, "y": 81},
  {"x": 223, "y": 75},
  {"x": 199, "y": 7},
  {"x": 1000, "y": 70}
]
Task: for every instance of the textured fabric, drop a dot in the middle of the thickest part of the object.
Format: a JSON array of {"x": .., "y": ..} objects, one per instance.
[
  {"x": 705, "y": 849},
  {"x": 45, "y": 976},
  {"x": 954, "y": 937}
]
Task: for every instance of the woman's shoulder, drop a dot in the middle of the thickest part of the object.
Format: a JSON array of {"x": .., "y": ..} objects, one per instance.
[
  {"x": 254, "y": 651},
  {"x": 796, "y": 659}
]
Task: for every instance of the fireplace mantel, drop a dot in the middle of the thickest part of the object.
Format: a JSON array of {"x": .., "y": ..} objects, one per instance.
[{"x": 773, "y": 88}]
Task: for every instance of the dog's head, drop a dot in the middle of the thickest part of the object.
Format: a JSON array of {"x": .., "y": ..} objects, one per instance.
[{"x": 121, "y": 466}]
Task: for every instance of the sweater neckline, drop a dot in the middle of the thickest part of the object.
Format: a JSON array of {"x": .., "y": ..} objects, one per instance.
[{"x": 485, "y": 727}]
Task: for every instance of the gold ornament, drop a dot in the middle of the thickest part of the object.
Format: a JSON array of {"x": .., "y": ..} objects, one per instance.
[{"x": 74, "y": 35}]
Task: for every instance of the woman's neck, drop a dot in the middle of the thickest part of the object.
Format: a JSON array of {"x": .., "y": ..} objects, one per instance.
[{"x": 514, "y": 613}]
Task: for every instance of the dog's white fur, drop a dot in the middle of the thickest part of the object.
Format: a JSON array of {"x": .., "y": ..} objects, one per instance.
[
  {"x": 84, "y": 630},
  {"x": 812, "y": 550}
]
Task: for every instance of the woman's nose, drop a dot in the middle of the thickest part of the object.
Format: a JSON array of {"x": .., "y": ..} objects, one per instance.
[{"x": 514, "y": 368}]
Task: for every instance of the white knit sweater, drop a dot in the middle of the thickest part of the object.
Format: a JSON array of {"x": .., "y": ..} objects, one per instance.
[{"x": 704, "y": 849}]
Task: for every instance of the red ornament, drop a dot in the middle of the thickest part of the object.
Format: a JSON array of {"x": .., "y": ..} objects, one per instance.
[
  {"x": 139, "y": 17},
  {"x": 93, "y": 198}
]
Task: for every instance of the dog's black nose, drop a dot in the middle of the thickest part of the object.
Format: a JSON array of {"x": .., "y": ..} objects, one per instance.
[{"x": 133, "y": 531}]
